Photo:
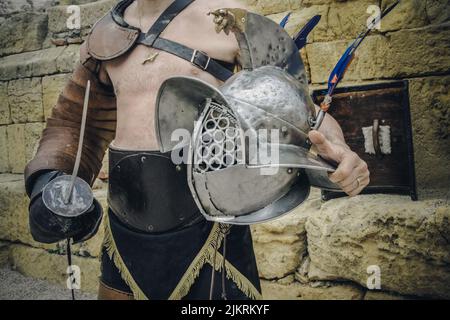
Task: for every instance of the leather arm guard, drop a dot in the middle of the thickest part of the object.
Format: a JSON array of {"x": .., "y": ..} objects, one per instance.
[{"x": 58, "y": 145}]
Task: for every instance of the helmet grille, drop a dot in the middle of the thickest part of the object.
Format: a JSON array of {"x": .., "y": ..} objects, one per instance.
[{"x": 219, "y": 143}]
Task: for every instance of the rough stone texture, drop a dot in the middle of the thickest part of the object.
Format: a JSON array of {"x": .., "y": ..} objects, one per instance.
[
  {"x": 281, "y": 244},
  {"x": 89, "y": 14},
  {"x": 22, "y": 32},
  {"x": 272, "y": 6},
  {"x": 9, "y": 7},
  {"x": 16, "y": 147},
  {"x": 5, "y": 115},
  {"x": 273, "y": 290},
  {"x": 385, "y": 56},
  {"x": 437, "y": 11},
  {"x": 4, "y": 253},
  {"x": 14, "y": 211},
  {"x": 22, "y": 141},
  {"x": 429, "y": 102},
  {"x": 51, "y": 88},
  {"x": 67, "y": 61},
  {"x": 25, "y": 100},
  {"x": 14, "y": 218},
  {"x": 407, "y": 240},
  {"x": 40, "y": 264},
  {"x": 39, "y": 63},
  {"x": 4, "y": 160},
  {"x": 14, "y": 286},
  {"x": 33, "y": 132},
  {"x": 345, "y": 19},
  {"x": 408, "y": 14}
]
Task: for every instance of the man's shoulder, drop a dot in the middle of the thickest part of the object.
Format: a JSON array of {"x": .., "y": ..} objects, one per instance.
[{"x": 107, "y": 39}]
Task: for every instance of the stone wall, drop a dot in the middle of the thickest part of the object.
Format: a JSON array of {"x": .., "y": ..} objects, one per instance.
[{"x": 322, "y": 250}]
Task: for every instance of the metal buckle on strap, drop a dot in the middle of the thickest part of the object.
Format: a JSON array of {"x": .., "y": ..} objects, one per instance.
[{"x": 194, "y": 55}]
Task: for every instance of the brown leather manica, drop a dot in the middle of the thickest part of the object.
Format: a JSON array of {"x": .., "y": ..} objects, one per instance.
[{"x": 58, "y": 145}]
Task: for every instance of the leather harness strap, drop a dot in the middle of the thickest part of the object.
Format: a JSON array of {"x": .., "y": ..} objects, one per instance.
[
  {"x": 152, "y": 39},
  {"x": 165, "y": 19},
  {"x": 197, "y": 58}
]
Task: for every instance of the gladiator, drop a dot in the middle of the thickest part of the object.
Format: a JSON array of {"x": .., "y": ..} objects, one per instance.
[{"x": 180, "y": 229}]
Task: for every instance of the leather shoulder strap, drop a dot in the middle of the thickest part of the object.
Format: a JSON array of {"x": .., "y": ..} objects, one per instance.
[
  {"x": 109, "y": 38},
  {"x": 165, "y": 19}
]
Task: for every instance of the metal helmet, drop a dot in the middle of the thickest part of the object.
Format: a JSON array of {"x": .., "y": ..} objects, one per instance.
[{"x": 248, "y": 157}]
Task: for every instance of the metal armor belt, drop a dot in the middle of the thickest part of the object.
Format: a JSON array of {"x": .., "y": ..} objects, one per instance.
[
  {"x": 149, "y": 193},
  {"x": 219, "y": 69}
]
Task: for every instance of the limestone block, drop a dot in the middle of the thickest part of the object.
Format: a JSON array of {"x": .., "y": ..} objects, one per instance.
[
  {"x": 5, "y": 115},
  {"x": 33, "y": 133},
  {"x": 67, "y": 61},
  {"x": 429, "y": 102},
  {"x": 280, "y": 245},
  {"x": 273, "y": 290},
  {"x": 346, "y": 19},
  {"x": 25, "y": 31},
  {"x": 4, "y": 160},
  {"x": 39, "y": 63},
  {"x": 41, "y": 264},
  {"x": 14, "y": 211},
  {"x": 25, "y": 100},
  {"x": 418, "y": 52},
  {"x": 89, "y": 14},
  {"x": 16, "y": 147},
  {"x": 437, "y": 11},
  {"x": 274, "y": 6},
  {"x": 27, "y": 64},
  {"x": 407, "y": 240},
  {"x": 51, "y": 88},
  {"x": 4, "y": 253},
  {"x": 8, "y": 7},
  {"x": 393, "y": 56},
  {"x": 406, "y": 15}
]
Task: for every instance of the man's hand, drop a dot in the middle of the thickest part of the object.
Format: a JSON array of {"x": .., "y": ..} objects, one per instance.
[{"x": 352, "y": 174}]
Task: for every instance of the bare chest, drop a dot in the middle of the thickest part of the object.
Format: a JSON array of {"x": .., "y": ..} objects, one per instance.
[
  {"x": 138, "y": 75},
  {"x": 142, "y": 71}
]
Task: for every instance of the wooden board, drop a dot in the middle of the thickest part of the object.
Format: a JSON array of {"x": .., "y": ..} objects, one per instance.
[{"x": 358, "y": 107}]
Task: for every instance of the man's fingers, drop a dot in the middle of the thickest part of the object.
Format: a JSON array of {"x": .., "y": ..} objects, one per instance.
[
  {"x": 316, "y": 137},
  {"x": 360, "y": 172},
  {"x": 345, "y": 168},
  {"x": 357, "y": 181},
  {"x": 356, "y": 191},
  {"x": 323, "y": 146}
]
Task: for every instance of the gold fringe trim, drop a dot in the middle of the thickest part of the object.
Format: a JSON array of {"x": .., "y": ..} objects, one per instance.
[
  {"x": 237, "y": 277},
  {"x": 114, "y": 255},
  {"x": 205, "y": 255},
  {"x": 184, "y": 285}
]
